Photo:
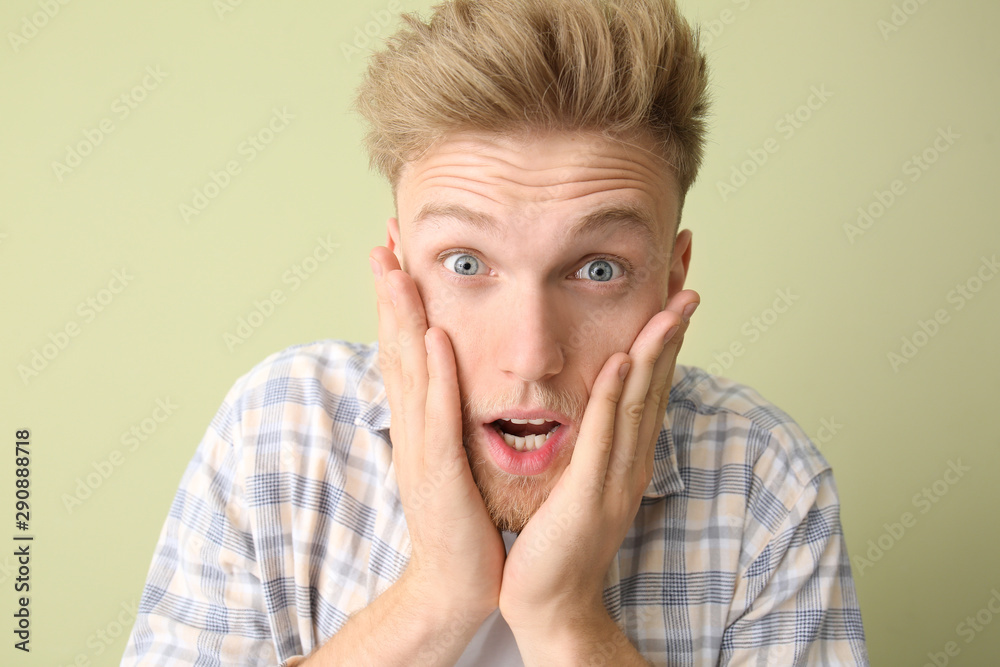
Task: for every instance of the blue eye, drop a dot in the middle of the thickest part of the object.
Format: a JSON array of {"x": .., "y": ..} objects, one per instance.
[
  {"x": 599, "y": 270},
  {"x": 463, "y": 264}
]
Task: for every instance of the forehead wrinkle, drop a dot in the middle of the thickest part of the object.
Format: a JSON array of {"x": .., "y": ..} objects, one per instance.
[
  {"x": 563, "y": 174},
  {"x": 511, "y": 175},
  {"x": 635, "y": 218},
  {"x": 455, "y": 174}
]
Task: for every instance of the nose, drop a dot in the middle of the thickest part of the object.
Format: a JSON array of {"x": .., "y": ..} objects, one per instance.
[{"x": 530, "y": 344}]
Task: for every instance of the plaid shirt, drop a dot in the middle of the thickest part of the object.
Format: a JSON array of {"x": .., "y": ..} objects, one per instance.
[{"x": 288, "y": 521}]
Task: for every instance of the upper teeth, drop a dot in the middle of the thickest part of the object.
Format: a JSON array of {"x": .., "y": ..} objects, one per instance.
[{"x": 527, "y": 421}]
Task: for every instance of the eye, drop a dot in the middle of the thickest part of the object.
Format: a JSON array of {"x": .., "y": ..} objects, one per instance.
[
  {"x": 600, "y": 270},
  {"x": 462, "y": 263}
]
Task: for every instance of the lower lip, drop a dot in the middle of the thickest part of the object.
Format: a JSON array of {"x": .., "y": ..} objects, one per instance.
[{"x": 524, "y": 463}]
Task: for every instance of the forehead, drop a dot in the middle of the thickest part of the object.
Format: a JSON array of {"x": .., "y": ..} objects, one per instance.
[{"x": 584, "y": 179}]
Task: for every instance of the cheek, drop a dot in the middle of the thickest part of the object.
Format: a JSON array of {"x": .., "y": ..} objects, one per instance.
[
  {"x": 446, "y": 307},
  {"x": 612, "y": 324},
  {"x": 462, "y": 318},
  {"x": 602, "y": 337}
]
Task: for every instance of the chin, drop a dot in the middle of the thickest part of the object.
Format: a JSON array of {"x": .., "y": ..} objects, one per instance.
[
  {"x": 511, "y": 500},
  {"x": 515, "y": 482}
]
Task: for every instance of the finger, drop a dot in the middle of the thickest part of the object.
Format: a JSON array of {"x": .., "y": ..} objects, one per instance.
[
  {"x": 658, "y": 396},
  {"x": 389, "y": 351},
  {"x": 411, "y": 325},
  {"x": 645, "y": 351},
  {"x": 589, "y": 462},
  {"x": 383, "y": 261},
  {"x": 443, "y": 413},
  {"x": 631, "y": 406},
  {"x": 642, "y": 468}
]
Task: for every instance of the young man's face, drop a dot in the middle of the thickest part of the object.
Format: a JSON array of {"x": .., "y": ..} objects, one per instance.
[{"x": 534, "y": 301}]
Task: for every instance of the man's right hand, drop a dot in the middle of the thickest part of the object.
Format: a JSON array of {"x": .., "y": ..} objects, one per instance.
[
  {"x": 457, "y": 558},
  {"x": 452, "y": 583}
]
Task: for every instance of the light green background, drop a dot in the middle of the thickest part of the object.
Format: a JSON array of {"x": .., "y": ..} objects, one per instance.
[{"x": 162, "y": 337}]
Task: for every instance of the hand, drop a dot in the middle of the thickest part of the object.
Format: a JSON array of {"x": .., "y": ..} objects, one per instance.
[
  {"x": 457, "y": 553},
  {"x": 553, "y": 579}
]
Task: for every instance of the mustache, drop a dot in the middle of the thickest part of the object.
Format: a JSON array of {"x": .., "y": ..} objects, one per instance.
[{"x": 475, "y": 408}]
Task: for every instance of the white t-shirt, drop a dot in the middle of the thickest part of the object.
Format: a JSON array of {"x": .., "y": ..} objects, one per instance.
[{"x": 493, "y": 645}]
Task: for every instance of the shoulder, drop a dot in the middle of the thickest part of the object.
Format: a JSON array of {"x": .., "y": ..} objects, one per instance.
[
  {"x": 310, "y": 374},
  {"x": 337, "y": 365},
  {"x": 717, "y": 422},
  {"x": 319, "y": 390}
]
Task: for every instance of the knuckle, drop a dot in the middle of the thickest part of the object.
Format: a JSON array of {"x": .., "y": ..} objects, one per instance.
[
  {"x": 405, "y": 340},
  {"x": 633, "y": 413},
  {"x": 605, "y": 440},
  {"x": 611, "y": 402},
  {"x": 388, "y": 357},
  {"x": 409, "y": 381},
  {"x": 658, "y": 389},
  {"x": 418, "y": 321},
  {"x": 618, "y": 465}
]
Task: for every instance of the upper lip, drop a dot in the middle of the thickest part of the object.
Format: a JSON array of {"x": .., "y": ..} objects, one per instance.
[{"x": 530, "y": 413}]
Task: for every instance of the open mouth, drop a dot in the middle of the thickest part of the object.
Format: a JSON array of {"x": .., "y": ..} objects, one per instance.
[{"x": 526, "y": 435}]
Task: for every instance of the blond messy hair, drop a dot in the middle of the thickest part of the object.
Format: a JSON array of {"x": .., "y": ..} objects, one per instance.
[{"x": 623, "y": 68}]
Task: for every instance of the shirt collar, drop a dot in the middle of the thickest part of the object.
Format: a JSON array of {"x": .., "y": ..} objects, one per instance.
[{"x": 374, "y": 415}]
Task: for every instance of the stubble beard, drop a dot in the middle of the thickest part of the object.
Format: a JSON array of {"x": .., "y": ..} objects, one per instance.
[{"x": 511, "y": 500}]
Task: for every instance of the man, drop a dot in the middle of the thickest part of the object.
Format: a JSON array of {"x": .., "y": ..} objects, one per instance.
[{"x": 519, "y": 472}]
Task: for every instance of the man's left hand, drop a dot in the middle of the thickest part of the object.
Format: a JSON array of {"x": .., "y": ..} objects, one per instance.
[{"x": 551, "y": 594}]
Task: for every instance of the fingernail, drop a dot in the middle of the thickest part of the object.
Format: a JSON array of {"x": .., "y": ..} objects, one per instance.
[
  {"x": 689, "y": 311},
  {"x": 670, "y": 334},
  {"x": 392, "y": 293},
  {"x": 623, "y": 371},
  {"x": 376, "y": 268}
]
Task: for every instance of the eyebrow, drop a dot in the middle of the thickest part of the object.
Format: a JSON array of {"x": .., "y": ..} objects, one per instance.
[{"x": 634, "y": 219}]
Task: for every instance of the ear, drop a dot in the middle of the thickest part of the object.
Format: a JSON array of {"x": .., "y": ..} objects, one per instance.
[
  {"x": 679, "y": 264},
  {"x": 392, "y": 240}
]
